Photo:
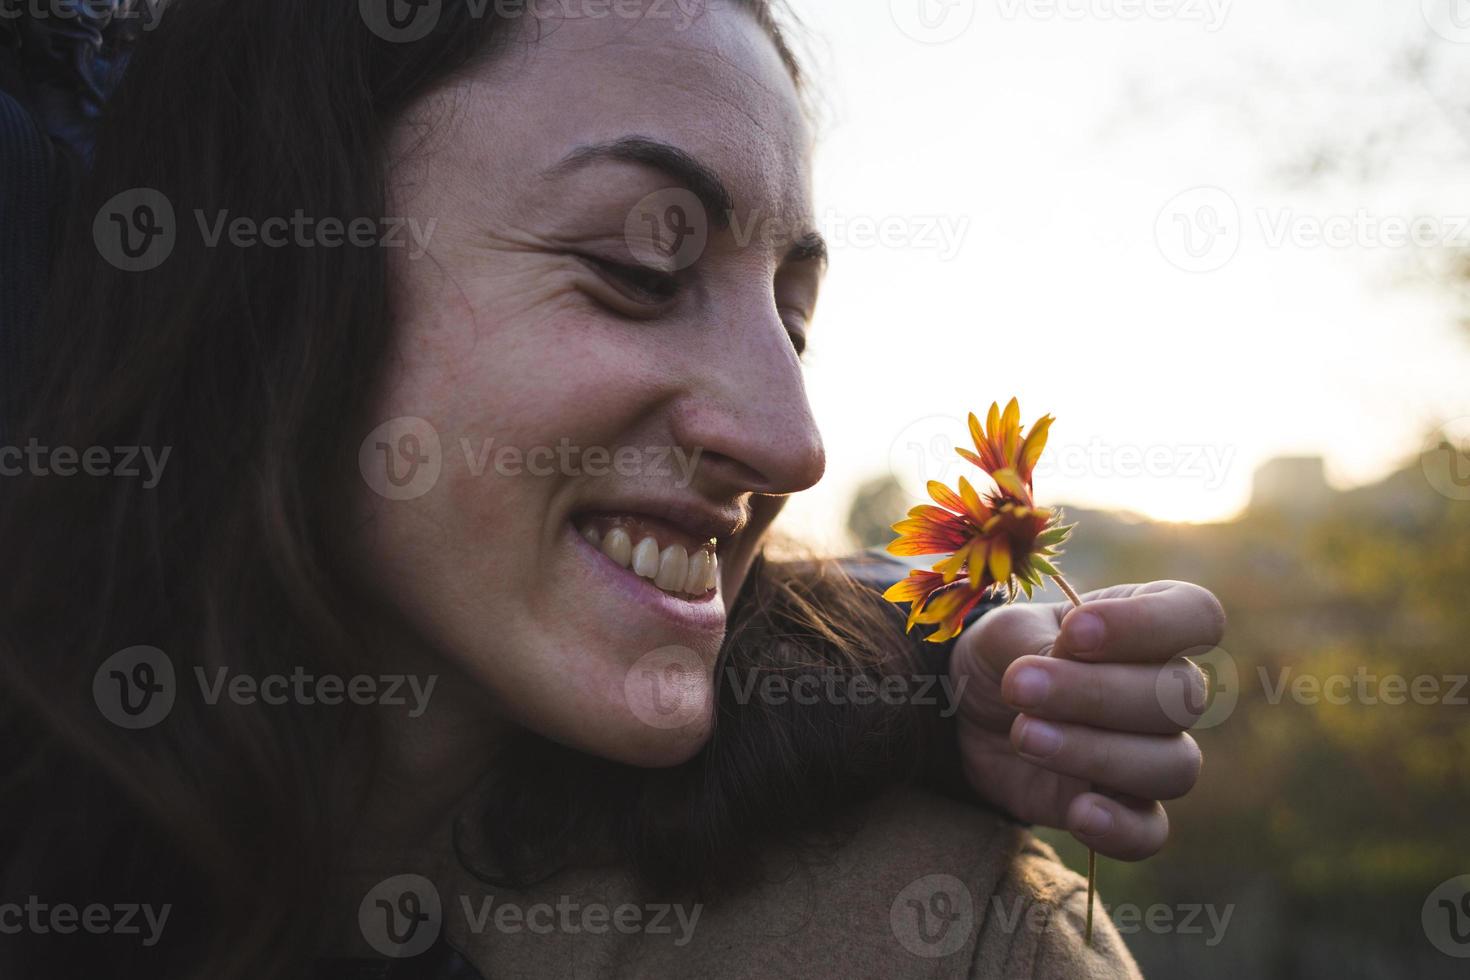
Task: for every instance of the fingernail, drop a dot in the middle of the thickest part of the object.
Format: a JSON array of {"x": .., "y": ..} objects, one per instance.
[
  {"x": 1040, "y": 740},
  {"x": 1085, "y": 632},
  {"x": 1097, "y": 822},
  {"x": 1029, "y": 687}
]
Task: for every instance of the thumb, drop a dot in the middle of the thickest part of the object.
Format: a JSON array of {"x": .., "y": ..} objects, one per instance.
[{"x": 984, "y": 652}]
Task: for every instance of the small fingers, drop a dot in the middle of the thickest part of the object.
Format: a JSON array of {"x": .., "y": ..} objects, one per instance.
[
  {"x": 1158, "y": 621},
  {"x": 1150, "y": 767},
  {"x": 1118, "y": 827},
  {"x": 984, "y": 652},
  {"x": 1143, "y": 698},
  {"x": 1008, "y": 632}
]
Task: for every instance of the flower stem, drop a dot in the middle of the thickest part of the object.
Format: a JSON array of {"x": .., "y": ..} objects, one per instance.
[
  {"x": 1091, "y": 879},
  {"x": 1091, "y": 854},
  {"x": 1071, "y": 592}
]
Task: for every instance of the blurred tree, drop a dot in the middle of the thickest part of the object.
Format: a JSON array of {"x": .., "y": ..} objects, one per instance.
[
  {"x": 876, "y": 506},
  {"x": 1334, "y": 797}
]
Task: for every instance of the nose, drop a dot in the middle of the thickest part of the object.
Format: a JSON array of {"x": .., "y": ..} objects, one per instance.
[{"x": 747, "y": 413}]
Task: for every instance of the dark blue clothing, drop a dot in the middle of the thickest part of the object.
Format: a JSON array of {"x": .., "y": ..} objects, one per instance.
[{"x": 56, "y": 72}]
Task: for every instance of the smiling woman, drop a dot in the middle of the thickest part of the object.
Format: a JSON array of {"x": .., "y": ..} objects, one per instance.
[{"x": 615, "y": 708}]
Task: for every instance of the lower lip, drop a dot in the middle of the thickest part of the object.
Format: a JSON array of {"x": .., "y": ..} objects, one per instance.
[{"x": 705, "y": 614}]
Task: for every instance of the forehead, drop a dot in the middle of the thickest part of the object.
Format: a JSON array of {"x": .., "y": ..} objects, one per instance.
[{"x": 712, "y": 84}]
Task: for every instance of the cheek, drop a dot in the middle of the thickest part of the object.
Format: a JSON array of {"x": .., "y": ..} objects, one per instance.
[
  {"x": 506, "y": 376},
  {"x": 515, "y": 379}
]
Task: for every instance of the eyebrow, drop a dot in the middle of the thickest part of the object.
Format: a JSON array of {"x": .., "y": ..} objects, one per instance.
[{"x": 698, "y": 177}]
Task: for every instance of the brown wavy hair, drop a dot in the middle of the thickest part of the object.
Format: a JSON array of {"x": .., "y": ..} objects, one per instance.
[{"x": 252, "y": 366}]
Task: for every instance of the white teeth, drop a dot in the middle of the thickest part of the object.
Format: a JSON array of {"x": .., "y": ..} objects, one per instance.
[
  {"x": 673, "y": 569},
  {"x": 646, "y": 558},
  {"x": 673, "y": 565},
  {"x": 698, "y": 570},
  {"x": 618, "y": 546}
]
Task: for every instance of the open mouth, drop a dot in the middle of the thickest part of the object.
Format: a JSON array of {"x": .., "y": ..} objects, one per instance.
[{"x": 668, "y": 557}]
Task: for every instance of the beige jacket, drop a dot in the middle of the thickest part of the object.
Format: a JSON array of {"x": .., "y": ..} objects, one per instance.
[{"x": 927, "y": 887}]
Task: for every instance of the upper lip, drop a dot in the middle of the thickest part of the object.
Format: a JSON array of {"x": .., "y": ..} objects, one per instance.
[{"x": 692, "y": 517}]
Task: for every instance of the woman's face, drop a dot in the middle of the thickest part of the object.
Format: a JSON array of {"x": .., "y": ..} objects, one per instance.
[{"x": 603, "y": 336}]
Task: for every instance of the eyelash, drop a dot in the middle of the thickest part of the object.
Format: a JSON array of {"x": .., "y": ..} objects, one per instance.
[
  {"x": 657, "y": 288},
  {"x": 798, "y": 340},
  {"x": 651, "y": 286}
]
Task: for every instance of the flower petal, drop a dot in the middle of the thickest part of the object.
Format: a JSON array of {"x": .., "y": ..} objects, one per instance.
[
  {"x": 1010, "y": 481},
  {"x": 945, "y": 497},
  {"x": 1000, "y": 561}
]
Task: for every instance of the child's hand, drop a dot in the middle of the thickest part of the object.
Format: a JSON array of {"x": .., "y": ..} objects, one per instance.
[{"x": 1064, "y": 720}]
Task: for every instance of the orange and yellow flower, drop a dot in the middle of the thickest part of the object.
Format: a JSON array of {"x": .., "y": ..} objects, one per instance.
[{"x": 1000, "y": 540}]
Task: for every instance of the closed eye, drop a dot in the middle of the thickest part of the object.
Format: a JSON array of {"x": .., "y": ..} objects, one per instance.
[
  {"x": 637, "y": 282},
  {"x": 798, "y": 338}
]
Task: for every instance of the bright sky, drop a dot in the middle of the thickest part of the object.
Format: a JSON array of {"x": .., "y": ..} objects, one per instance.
[{"x": 1028, "y": 173}]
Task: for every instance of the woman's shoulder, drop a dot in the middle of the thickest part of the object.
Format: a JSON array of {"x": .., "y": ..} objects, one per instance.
[
  {"x": 920, "y": 886},
  {"x": 931, "y": 886},
  {"x": 916, "y": 885}
]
